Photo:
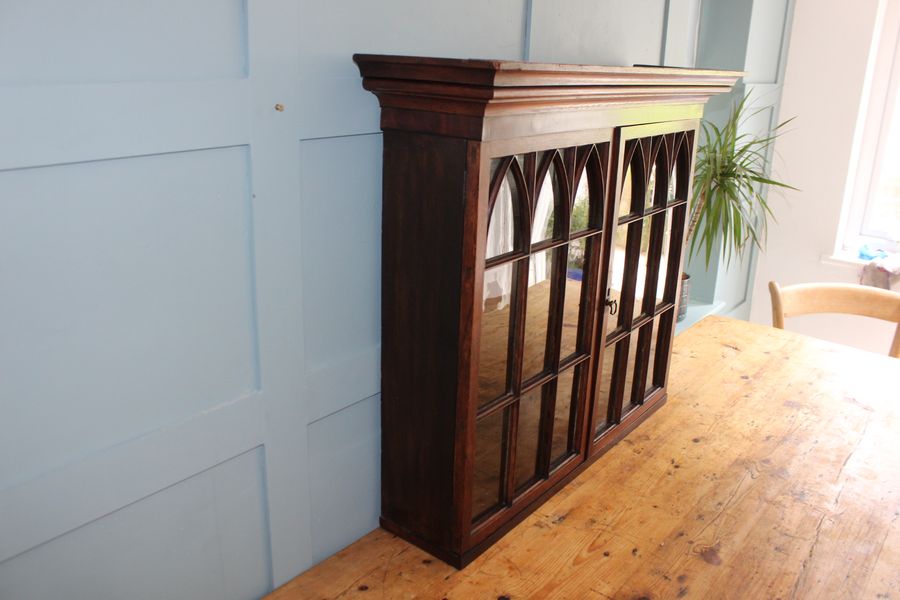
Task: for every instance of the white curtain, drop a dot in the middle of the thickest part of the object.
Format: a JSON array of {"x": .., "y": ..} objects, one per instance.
[{"x": 501, "y": 232}]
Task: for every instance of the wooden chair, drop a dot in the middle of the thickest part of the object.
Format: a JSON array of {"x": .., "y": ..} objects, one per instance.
[{"x": 811, "y": 298}]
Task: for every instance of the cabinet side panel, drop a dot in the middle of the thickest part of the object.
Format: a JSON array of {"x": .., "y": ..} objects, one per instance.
[{"x": 423, "y": 210}]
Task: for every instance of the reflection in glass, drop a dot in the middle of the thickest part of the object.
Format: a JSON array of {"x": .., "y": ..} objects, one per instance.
[
  {"x": 663, "y": 338},
  {"x": 675, "y": 229},
  {"x": 651, "y": 188},
  {"x": 488, "y": 457},
  {"x": 502, "y": 225},
  {"x": 604, "y": 390},
  {"x": 537, "y": 312},
  {"x": 626, "y": 200},
  {"x": 581, "y": 206},
  {"x": 527, "y": 437},
  {"x": 673, "y": 186},
  {"x": 644, "y": 231},
  {"x": 497, "y": 298},
  {"x": 652, "y": 330},
  {"x": 617, "y": 273},
  {"x": 662, "y": 220},
  {"x": 628, "y": 387},
  {"x": 545, "y": 216},
  {"x": 495, "y": 164},
  {"x": 520, "y": 158},
  {"x": 562, "y": 416},
  {"x": 575, "y": 269}
]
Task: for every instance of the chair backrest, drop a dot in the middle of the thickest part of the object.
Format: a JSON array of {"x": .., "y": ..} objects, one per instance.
[{"x": 862, "y": 300}]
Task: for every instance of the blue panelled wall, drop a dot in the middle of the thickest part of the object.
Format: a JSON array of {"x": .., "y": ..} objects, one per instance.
[{"x": 189, "y": 242}]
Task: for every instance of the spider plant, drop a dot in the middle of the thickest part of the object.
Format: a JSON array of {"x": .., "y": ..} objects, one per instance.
[{"x": 729, "y": 181}]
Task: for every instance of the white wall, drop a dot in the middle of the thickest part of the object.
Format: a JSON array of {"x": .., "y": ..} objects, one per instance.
[
  {"x": 826, "y": 65},
  {"x": 189, "y": 337}
]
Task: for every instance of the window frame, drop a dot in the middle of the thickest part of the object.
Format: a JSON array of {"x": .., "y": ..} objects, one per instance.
[{"x": 877, "y": 109}]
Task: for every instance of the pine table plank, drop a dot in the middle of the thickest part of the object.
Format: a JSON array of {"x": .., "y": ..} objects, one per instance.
[{"x": 772, "y": 472}]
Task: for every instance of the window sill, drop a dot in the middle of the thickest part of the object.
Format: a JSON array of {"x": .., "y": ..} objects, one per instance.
[{"x": 848, "y": 261}]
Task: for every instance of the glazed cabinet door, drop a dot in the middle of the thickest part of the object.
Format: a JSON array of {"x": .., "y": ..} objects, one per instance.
[
  {"x": 646, "y": 225},
  {"x": 538, "y": 301}
]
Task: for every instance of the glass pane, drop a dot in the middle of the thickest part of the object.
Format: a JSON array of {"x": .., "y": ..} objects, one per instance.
[
  {"x": 617, "y": 268},
  {"x": 602, "y": 395},
  {"x": 492, "y": 363},
  {"x": 663, "y": 338},
  {"x": 545, "y": 212},
  {"x": 563, "y": 416},
  {"x": 581, "y": 206},
  {"x": 502, "y": 225},
  {"x": 628, "y": 387},
  {"x": 882, "y": 210},
  {"x": 625, "y": 201},
  {"x": 663, "y": 220},
  {"x": 673, "y": 186},
  {"x": 489, "y": 433},
  {"x": 651, "y": 188},
  {"x": 676, "y": 224},
  {"x": 495, "y": 164},
  {"x": 520, "y": 158},
  {"x": 528, "y": 434},
  {"x": 652, "y": 331},
  {"x": 644, "y": 231},
  {"x": 537, "y": 312},
  {"x": 575, "y": 270}
]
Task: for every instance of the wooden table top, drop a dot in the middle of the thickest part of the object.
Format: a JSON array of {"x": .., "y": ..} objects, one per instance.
[{"x": 772, "y": 472}]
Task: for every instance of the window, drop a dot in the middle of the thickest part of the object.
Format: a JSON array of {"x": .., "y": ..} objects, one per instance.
[{"x": 872, "y": 208}]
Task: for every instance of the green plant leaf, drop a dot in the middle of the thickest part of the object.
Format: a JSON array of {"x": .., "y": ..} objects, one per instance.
[{"x": 730, "y": 179}]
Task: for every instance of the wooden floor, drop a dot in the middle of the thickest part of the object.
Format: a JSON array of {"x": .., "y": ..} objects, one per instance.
[{"x": 772, "y": 472}]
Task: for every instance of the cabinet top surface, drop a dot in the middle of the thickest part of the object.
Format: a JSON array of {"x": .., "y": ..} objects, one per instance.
[
  {"x": 496, "y": 99},
  {"x": 508, "y": 73}
]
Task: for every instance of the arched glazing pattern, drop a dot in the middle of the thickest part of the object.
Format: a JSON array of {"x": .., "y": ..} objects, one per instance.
[
  {"x": 548, "y": 213},
  {"x": 646, "y": 248},
  {"x": 540, "y": 279},
  {"x": 506, "y": 214}
]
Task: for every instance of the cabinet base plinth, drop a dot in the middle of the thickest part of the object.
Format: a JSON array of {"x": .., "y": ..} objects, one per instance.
[
  {"x": 460, "y": 560},
  {"x": 453, "y": 559}
]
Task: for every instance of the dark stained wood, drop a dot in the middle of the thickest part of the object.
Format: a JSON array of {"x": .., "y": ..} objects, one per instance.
[
  {"x": 511, "y": 73},
  {"x": 468, "y": 435},
  {"x": 684, "y": 164},
  {"x": 464, "y": 97},
  {"x": 642, "y": 147},
  {"x": 471, "y": 279},
  {"x": 518, "y": 320},
  {"x": 644, "y": 363},
  {"x": 421, "y": 289},
  {"x": 629, "y": 283},
  {"x": 601, "y": 324}
]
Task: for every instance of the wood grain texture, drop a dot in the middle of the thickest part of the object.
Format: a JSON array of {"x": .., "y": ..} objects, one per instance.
[{"x": 772, "y": 472}]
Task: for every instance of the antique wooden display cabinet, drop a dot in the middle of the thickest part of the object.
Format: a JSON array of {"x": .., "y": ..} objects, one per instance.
[{"x": 533, "y": 231}]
